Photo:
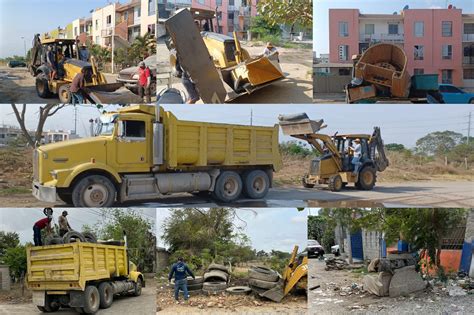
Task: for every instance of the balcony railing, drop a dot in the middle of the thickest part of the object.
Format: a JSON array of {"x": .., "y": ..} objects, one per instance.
[
  {"x": 468, "y": 37},
  {"x": 107, "y": 32},
  {"x": 468, "y": 60},
  {"x": 392, "y": 38}
]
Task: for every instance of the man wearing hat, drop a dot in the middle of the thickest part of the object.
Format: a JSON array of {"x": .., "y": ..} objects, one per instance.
[
  {"x": 144, "y": 81},
  {"x": 356, "y": 149},
  {"x": 271, "y": 51},
  {"x": 64, "y": 226}
]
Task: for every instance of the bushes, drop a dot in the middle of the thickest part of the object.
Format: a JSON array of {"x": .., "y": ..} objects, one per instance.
[{"x": 296, "y": 149}]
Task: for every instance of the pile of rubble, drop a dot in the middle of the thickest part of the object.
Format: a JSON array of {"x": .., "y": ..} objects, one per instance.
[{"x": 334, "y": 263}]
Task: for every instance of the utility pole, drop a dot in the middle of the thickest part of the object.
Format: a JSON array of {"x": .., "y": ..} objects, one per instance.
[
  {"x": 469, "y": 128},
  {"x": 75, "y": 119},
  {"x": 251, "y": 117}
]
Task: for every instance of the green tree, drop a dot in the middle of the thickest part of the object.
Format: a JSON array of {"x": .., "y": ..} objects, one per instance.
[
  {"x": 15, "y": 259},
  {"x": 260, "y": 27},
  {"x": 296, "y": 148},
  {"x": 462, "y": 151},
  {"x": 289, "y": 12},
  {"x": 438, "y": 143},
  {"x": 322, "y": 230},
  {"x": 8, "y": 240},
  {"x": 395, "y": 147}
]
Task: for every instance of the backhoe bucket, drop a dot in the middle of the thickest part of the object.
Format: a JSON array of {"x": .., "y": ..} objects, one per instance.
[
  {"x": 276, "y": 294},
  {"x": 112, "y": 93},
  {"x": 299, "y": 124}
]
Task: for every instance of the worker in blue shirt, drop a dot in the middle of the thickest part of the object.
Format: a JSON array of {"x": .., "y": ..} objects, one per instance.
[{"x": 181, "y": 272}]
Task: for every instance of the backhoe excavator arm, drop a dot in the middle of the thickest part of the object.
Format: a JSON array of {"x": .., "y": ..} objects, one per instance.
[{"x": 377, "y": 150}]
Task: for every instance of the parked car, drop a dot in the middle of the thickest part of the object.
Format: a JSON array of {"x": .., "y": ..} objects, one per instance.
[
  {"x": 454, "y": 95},
  {"x": 335, "y": 250},
  {"x": 314, "y": 249},
  {"x": 129, "y": 76},
  {"x": 16, "y": 63}
]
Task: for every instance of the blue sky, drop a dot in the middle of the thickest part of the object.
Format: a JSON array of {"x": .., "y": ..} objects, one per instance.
[
  {"x": 267, "y": 228},
  {"x": 24, "y": 18},
  {"x": 399, "y": 123},
  {"x": 321, "y": 13}
]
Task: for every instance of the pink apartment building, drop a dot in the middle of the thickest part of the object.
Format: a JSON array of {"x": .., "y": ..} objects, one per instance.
[
  {"x": 435, "y": 40},
  {"x": 232, "y": 15}
]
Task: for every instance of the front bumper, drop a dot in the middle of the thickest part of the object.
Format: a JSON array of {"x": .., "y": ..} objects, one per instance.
[
  {"x": 44, "y": 193},
  {"x": 128, "y": 83}
]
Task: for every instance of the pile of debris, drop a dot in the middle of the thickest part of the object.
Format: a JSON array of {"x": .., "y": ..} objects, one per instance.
[
  {"x": 460, "y": 286},
  {"x": 335, "y": 263}
]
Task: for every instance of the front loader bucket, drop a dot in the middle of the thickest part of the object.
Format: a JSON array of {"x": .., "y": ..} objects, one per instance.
[
  {"x": 299, "y": 124},
  {"x": 112, "y": 93},
  {"x": 276, "y": 294},
  {"x": 263, "y": 70}
]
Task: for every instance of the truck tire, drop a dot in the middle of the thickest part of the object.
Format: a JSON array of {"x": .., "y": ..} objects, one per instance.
[
  {"x": 91, "y": 300},
  {"x": 93, "y": 191},
  {"x": 220, "y": 267},
  {"x": 79, "y": 310},
  {"x": 216, "y": 276},
  {"x": 89, "y": 237},
  {"x": 262, "y": 273},
  {"x": 64, "y": 94},
  {"x": 66, "y": 198},
  {"x": 228, "y": 186},
  {"x": 262, "y": 284},
  {"x": 137, "y": 291},
  {"x": 198, "y": 280},
  {"x": 73, "y": 235},
  {"x": 305, "y": 184},
  {"x": 367, "y": 178},
  {"x": 54, "y": 240},
  {"x": 256, "y": 184},
  {"x": 42, "y": 86},
  {"x": 214, "y": 287},
  {"x": 106, "y": 294},
  {"x": 195, "y": 287},
  {"x": 335, "y": 183}
]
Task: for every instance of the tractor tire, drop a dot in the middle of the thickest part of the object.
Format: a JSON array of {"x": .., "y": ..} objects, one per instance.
[
  {"x": 262, "y": 273},
  {"x": 335, "y": 183},
  {"x": 42, "y": 86},
  {"x": 53, "y": 241},
  {"x": 256, "y": 184},
  {"x": 94, "y": 191},
  {"x": 66, "y": 198},
  {"x": 106, "y": 294},
  {"x": 91, "y": 300},
  {"x": 242, "y": 290},
  {"x": 218, "y": 267},
  {"x": 137, "y": 291},
  {"x": 228, "y": 186},
  {"x": 367, "y": 178},
  {"x": 65, "y": 96},
  {"x": 214, "y": 287},
  {"x": 262, "y": 284},
  {"x": 73, "y": 235},
  {"x": 306, "y": 185},
  {"x": 89, "y": 237}
]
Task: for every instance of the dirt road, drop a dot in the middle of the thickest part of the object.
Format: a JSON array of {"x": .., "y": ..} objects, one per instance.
[
  {"x": 144, "y": 304},
  {"x": 412, "y": 194},
  {"x": 335, "y": 296},
  {"x": 17, "y": 85},
  {"x": 296, "y": 88}
]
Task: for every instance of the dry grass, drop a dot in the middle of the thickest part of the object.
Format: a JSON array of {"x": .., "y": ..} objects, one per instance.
[{"x": 16, "y": 169}]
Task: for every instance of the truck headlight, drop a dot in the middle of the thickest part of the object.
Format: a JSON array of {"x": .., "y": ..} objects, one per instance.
[
  {"x": 135, "y": 76},
  {"x": 54, "y": 174}
]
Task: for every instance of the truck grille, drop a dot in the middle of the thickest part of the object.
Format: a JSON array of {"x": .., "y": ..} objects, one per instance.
[{"x": 35, "y": 165}]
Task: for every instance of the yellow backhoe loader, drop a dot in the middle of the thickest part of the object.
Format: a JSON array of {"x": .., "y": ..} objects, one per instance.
[{"x": 334, "y": 166}]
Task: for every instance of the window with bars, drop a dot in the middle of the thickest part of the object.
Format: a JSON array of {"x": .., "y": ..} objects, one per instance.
[
  {"x": 447, "y": 76},
  {"x": 468, "y": 74},
  {"x": 419, "y": 52},
  {"x": 447, "y": 52},
  {"x": 343, "y": 52},
  {"x": 393, "y": 29},
  {"x": 468, "y": 28}
]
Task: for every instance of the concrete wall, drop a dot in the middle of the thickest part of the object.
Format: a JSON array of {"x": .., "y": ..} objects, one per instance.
[
  {"x": 351, "y": 16},
  {"x": 162, "y": 259},
  {"x": 330, "y": 83},
  {"x": 371, "y": 244},
  {"x": 4, "y": 278}
]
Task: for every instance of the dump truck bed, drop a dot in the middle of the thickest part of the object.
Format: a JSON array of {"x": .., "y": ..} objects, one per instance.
[
  {"x": 70, "y": 266},
  {"x": 199, "y": 144}
]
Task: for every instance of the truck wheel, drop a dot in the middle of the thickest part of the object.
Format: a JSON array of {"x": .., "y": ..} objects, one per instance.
[
  {"x": 367, "y": 178},
  {"x": 66, "y": 198},
  {"x": 42, "y": 86},
  {"x": 138, "y": 287},
  {"x": 106, "y": 293},
  {"x": 91, "y": 300},
  {"x": 305, "y": 184},
  {"x": 228, "y": 186},
  {"x": 79, "y": 310},
  {"x": 64, "y": 94},
  {"x": 335, "y": 183},
  {"x": 256, "y": 184},
  {"x": 93, "y": 191}
]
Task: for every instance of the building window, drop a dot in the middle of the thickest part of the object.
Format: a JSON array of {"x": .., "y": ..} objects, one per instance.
[
  {"x": 201, "y": 1},
  {"x": 343, "y": 29},
  {"x": 419, "y": 29},
  {"x": 97, "y": 40},
  {"x": 419, "y": 52},
  {"x": 343, "y": 52},
  {"x": 96, "y": 25},
  {"x": 219, "y": 2},
  {"x": 151, "y": 7},
  {"x": 468, "y": 74},
  {"x": 151, "y": 29},
  {"x": 418, "y": 71},
  {"x": 393, "y": 29},
  {"x": 447, "y": 28},
  {"x": 109, "y": 20},
  {"x": 447, "y": 52},
  {"x": 231, "y": 2},
  {"x": 344, "y": 71},
  {"x": 468, "y": 28},
  {"x": 447, "y": 76},
  {"x": 75, "y": 31},
  {"x": 369, "y": 29}
]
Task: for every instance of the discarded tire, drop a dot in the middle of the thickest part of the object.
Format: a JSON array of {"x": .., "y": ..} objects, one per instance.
[
  {"x": 73, "y": 236},
  {"x": 195, "y": 287},
  {"x": 262, "y": 284},
  {"x": 218, "y": 267},
  {"x": 214, "y": 287},
  {"x": 242, "y": 290},
  {"x": 215, "y": 276},
  {"x": 89, "y": 237},
  {"x": 53, "y": 241},
  {"x": 197, "y": 280},
  {"x": 263, "y": 273}
]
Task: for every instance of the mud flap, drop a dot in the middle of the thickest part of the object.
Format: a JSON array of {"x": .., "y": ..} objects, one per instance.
[
  {"x": 275, "y": 294},
  {"x": 195, "y": 58}
]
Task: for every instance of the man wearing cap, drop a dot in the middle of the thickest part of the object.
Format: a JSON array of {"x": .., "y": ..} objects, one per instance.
[
  {"x": 356, "y": 149},
  {"x": 144, "y": 81},
  {"x": 39, "y": 225},
  {"x": 180, "y": 271},
  {"x": 64, "y": 226},
  {"x": 271, "y": 51}
]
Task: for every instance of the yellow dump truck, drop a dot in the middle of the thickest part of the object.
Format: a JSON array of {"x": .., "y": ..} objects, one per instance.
[
  {"x": 143, "y": 152},
  {"x": 82, "y": 276}
]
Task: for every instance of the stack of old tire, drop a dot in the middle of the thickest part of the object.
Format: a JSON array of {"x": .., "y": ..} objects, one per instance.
[
  {"x": 71, "y": 237},
  {"x": 194, "y": 285},
  {"x": 216, "y": 279},
  {"x": 262, "y": 279}
]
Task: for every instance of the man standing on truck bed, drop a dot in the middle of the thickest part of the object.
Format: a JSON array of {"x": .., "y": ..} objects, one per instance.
[
  {"x": 180, "y": 271},
  {"x": 144, "y": 81},
  {"x": 40, "y": 225},
  {"x": 64, "y": 226}
]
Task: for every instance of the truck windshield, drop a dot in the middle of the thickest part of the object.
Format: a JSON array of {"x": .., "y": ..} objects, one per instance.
[{"x": 106, "y": 125}]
